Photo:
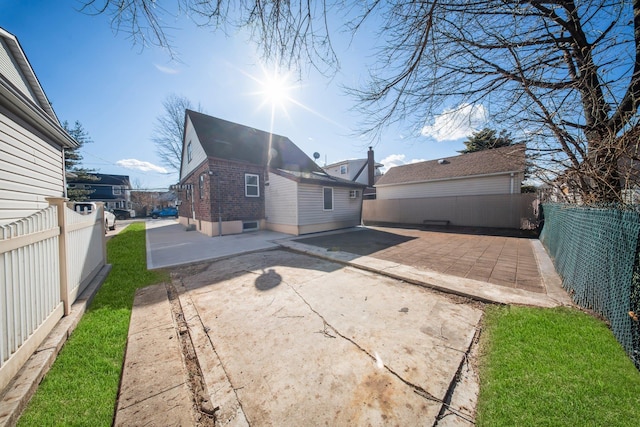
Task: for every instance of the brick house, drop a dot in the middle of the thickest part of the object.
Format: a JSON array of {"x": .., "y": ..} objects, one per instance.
[{"x": 235, "y": 178}]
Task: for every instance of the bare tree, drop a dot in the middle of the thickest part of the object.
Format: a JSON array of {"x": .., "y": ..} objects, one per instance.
[
  {"x": 169, "y": 130},
  {"x": 564, "y": 73}
]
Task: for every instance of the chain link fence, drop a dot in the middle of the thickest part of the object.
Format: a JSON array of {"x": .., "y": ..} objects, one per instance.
[{"x": 596, "y": 252}]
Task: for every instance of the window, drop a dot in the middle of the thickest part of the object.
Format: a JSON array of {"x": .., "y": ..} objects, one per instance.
[
  {"x": 201, "y": 186},
  {"x": 249, "y": 225},
  {"x": 328, "y": 198},
  {"x": 353, "y": 194},
  {"x": 116, "y": 190},
  {"x": 343, "y": 170},
  {"x": 189, "y": 156},
  {"x": 251, "y": 185}
]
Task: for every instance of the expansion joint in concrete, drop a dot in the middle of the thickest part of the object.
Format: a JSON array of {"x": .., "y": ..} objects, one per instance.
[
  {"x": 416, "y": 388},
  {"x": 195, "y": 378}
]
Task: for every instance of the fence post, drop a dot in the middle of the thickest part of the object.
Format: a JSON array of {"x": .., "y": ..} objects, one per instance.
[
  {"x": 60, "y": 203},
  {"x": 101, "y": 218}
]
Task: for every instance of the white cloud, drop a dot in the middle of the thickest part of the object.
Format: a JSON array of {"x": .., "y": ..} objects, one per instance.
[
  {"x": 167, "y": 70},
  {"x": 140, "y": 165},
  {"x": 456, "y": 123},
  {"x": 397, "y": 160}
]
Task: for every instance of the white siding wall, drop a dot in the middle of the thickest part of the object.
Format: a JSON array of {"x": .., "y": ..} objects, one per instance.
[
  {"x": 197, "y": 152},
  {"x": 11, "y": 70},
  {"x": 281, "y": 205},
  {"x": 30, "y": 170},
  {"x": 499, "y": 184},
  {"x": 353, "y": 166},
  {"x": 311, "y": 211}
]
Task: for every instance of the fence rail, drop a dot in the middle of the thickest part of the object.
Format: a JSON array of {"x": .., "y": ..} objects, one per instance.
[{"x": 46, "y": 260}]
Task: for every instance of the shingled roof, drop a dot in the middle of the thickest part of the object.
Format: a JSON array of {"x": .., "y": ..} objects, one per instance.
[
  {"x": 232, "y": 141},
  {"x": 486, "y": 162}
]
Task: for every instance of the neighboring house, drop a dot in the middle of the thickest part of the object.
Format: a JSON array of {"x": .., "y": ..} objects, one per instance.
[
  {"x": 113, "y": 190},
  {"x": 363, "y": 171},
  {"x": 234, "y": 178},
  {"x": 495, "y": 171},
  {"x": 31, "y": 138},
  {"x": 481, "y": 189},
  {"x": 49, "y": 254}
]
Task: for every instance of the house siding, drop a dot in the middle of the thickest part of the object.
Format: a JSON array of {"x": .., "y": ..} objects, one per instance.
[
  {"x": 198, "y": 155},
  {"x": 281, "y": 205},
  {"x": 498, "y": 184},
  {"x": 353, "y": 167},
  {"x": 345, "y": 210},
  {"x": 10, "y": 70},
  {"x": 31, "y": 169}
]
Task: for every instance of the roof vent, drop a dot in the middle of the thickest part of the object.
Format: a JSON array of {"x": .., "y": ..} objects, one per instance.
[{"x": 442, "y": 162}]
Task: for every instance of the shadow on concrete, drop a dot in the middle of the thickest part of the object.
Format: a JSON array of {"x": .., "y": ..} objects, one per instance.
[
  {"x": 268, "y": 280},
  {"x": 361, "y": 242},
  {"x": 263, "y": 264}
]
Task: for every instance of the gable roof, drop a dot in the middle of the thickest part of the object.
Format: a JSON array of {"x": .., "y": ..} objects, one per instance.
[
  {"x": 21, "y": 93},
  {"x": 232, "y": 141},
  {"x": 487, "y": 162}
]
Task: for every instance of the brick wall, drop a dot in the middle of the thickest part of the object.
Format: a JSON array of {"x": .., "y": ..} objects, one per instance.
[{"x": 235, "y": 205}]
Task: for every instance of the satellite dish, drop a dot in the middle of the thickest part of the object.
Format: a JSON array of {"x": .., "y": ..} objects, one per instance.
[{"x": 316, "y": 155}]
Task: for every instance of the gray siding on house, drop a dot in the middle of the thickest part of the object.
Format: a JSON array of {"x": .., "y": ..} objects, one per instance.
[
  {"x": 353, "y": 167},
  {"x": 31, "y": 169},
  {"x": 281, "y": 205},
  {"x": 198, "y": 154},
  {"x": 11, "y": 71},
  {"x": 482, "y": 185},
  {"x": 310, "y": 206}
]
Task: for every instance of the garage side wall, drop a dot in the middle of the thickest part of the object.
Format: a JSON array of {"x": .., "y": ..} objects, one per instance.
[
  {"x": 312, "y": 216},
  {"x": 281, "y": 204},
  {"x": 515, "y": 211},
  {"x": 497, "y": 184}
]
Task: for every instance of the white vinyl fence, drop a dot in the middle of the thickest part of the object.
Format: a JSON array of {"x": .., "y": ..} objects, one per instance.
[{"x": 46, "y": 260}]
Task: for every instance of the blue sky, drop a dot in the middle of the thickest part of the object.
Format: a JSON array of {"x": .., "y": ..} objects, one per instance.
[{"x": 115, "y": 89}]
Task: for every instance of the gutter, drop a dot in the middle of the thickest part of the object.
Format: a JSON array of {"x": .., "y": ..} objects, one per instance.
[{"x": 17, "y": 103}]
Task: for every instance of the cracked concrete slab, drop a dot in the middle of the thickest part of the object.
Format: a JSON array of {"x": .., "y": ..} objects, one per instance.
[{"x": 306, "y": 341}]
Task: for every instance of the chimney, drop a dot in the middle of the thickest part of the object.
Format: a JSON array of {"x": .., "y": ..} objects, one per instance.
[{"x": 371, "y": 166}]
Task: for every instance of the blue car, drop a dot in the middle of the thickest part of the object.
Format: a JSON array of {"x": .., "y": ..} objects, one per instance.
[{"x": 164, "y": 212}]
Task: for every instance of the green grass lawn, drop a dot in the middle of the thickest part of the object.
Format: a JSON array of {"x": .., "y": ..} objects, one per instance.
[
  {"x": 558, "y": 367},
  {"x": 82, "y": 386}
]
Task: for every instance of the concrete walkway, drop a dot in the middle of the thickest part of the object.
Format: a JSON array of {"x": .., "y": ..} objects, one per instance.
[
  {"x": 280, "y": 339},
  {"x": 169, "y": 244}
]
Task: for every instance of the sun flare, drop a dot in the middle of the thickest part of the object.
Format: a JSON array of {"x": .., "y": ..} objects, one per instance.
[{"x": 276, "y": 89}]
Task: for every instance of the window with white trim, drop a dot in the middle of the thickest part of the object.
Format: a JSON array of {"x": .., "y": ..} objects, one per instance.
[
  {"x": 343, "y": 170},
  {"x": 327, "y": 195},
  {"x": 189, "y": 154},
  {"x": 116, "y": 190},
  {"x": 201, "y": 186},
  {"x": 251, "y": 185}
]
